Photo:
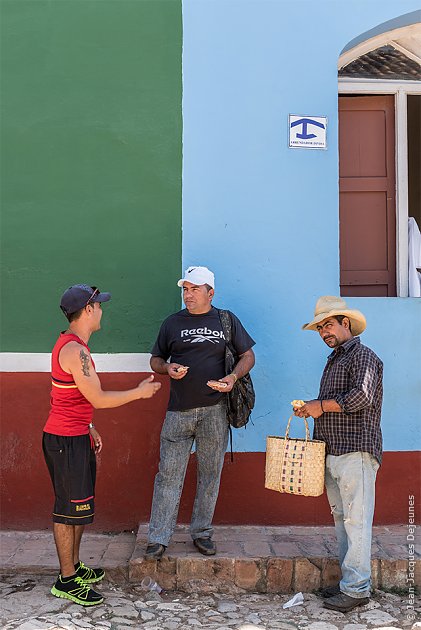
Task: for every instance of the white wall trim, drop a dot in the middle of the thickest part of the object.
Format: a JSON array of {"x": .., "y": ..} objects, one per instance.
[
  {"x": 348, "y": 85},
  {"x": 40, "y": 362},
  {"x": 400, "y": 89}
]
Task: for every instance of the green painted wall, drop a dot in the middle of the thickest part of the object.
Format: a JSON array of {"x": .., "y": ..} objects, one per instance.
[{"x": 91, "y": 166}]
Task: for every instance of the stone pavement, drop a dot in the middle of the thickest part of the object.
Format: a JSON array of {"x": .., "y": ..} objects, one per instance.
[
  {"x": 215, "y": 593},
  {"x": 25, "y": 604}
]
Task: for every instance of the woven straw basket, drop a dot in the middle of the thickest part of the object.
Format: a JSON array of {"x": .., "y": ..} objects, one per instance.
[{"x": 294, "y": 465}]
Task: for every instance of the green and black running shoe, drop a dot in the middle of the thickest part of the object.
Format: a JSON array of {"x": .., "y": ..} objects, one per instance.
[
  {"x": 90, "y": 576},
  {"x": 75, "y": 589}
]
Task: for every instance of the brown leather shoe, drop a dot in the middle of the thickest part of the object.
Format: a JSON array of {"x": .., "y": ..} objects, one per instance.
[
  {"x": 344, "y": 603},
  {"x": 154, "y": 551},
  {"x": 329, "y": 591},
  {"x": 205, "y": 546}
]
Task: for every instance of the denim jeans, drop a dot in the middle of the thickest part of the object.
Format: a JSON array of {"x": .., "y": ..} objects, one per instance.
[
  {"x": 350, "y": 485},
  {"x": 208, "y": 426}
]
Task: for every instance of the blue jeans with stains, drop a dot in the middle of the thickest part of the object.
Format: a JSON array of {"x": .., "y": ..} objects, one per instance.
[
  {"x": 208, "y": 427},
  {"x": 350, "y": 485}
]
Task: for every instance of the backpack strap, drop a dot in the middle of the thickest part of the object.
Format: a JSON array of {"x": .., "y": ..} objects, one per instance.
[
  {"x": 232, "y": 454},
  {"x": 226, "y": 324}
]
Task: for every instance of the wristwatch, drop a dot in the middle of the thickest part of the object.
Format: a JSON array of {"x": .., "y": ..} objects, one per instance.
[{"x": 91, "y": 425}]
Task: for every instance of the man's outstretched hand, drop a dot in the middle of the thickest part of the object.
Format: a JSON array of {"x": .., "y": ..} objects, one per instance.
[{"x": 148, "y": 388}]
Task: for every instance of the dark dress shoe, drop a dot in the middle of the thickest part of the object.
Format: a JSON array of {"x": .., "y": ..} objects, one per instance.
[
  {"x": 154, "y": 551},
  {"x": 329, "y": 591},
  {"x": 344, "y": 603},
  {"x": 205, "y": 546}
]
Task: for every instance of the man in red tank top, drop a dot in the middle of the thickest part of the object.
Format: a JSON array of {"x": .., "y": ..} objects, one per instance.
[{"x": 70, "y": 439}]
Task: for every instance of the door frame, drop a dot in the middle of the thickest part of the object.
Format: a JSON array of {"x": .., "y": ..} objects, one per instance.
[{"x": 400, "y": 89}]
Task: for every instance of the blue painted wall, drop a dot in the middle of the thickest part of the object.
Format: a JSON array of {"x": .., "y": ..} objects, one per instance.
[{"x": 265, "y": 217}]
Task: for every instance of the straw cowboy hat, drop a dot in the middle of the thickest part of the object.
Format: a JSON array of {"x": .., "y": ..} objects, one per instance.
[{"x": 329, "y": 306}]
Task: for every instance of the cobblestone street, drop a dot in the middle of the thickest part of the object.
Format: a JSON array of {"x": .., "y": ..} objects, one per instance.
[
  {"x": 29, "y": 568},
  {"x": 26, "y": 604}
]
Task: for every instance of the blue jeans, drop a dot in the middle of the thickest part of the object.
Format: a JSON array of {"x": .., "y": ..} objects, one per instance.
[
  {"x": 350, "y": 485},
  {"x": 208, "y": 426}
]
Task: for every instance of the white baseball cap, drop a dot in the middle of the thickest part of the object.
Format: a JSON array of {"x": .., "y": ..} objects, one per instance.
[{"x": 198, "y": 275}]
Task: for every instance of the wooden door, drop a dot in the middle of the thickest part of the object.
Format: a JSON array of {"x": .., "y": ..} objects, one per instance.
[{"x": 367, "y": 219}]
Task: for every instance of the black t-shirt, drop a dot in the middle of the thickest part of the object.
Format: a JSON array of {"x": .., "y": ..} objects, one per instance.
[{"x": 198, "y": 342}]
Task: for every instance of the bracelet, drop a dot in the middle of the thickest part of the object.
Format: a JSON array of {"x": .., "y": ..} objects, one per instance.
[
  {"x": 91, "y": 425},
  {"x": 321, "y": 405},
  {"x": 235, "y": 376}
]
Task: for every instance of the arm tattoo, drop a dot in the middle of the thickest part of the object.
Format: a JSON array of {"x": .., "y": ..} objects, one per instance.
[{"x": 84, "y": 359}]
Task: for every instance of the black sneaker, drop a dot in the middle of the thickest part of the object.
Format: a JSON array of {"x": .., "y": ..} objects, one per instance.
[
  {"x": 75, "y": 589},
  {"x": 88, "y": 575}
]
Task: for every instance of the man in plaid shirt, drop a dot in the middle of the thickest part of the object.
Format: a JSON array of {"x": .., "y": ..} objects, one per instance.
[{"x": 347, "y": 417}]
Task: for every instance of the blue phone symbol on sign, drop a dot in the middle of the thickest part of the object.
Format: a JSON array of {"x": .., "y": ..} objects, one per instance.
[{"x": 304, "y": 122}]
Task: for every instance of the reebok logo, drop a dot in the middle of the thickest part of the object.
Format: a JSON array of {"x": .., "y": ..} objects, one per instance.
[{"x": 199, "y": 335}]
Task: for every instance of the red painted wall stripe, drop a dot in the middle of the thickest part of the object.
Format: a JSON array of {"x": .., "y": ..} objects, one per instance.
[{"x": 129, "y": 461}]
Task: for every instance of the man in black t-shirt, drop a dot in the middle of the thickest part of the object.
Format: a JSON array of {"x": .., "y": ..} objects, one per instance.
[{"x": 193, "y": 342}]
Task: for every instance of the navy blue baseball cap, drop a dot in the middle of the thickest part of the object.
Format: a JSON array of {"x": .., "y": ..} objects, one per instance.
[{"x": 80, "y": 295}]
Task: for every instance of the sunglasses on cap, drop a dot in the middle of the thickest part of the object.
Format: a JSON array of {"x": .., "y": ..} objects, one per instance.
[{"x": 96, "y": 292}]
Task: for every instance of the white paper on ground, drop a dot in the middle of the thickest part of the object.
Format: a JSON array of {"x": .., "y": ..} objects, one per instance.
[{"x": 295, "y": 601}]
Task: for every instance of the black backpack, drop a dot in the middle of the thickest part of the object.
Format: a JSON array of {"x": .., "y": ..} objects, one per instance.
[{"x": 241, "y": 399}]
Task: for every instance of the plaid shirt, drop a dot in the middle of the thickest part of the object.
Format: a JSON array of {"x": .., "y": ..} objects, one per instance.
[{"x": 353, "y": 376}]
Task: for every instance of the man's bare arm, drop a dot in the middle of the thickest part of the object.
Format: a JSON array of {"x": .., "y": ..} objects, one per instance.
[
  {"x": 85, "y": 361},
  {"x": 245, "y": 364},
  {"x": 77, "y": 361},
  {"x": 159, "y": 365}
]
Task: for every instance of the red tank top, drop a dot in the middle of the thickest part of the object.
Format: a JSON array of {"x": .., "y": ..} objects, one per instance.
[{"x": 70, "y": 412}]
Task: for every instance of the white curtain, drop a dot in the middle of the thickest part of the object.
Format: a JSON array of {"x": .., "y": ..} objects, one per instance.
[{"x": 414, "y": 258}]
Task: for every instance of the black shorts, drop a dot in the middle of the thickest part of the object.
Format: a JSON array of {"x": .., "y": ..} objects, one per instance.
[{"x": 72, "y": 466}]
